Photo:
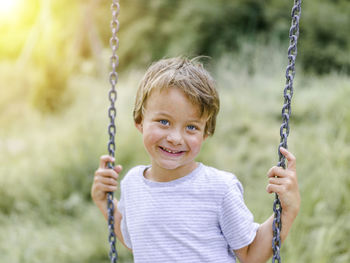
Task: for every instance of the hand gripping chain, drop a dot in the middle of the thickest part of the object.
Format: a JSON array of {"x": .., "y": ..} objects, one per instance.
[
  {"x": 113, "y": 79},
  {"x": 284, "y": 130}
]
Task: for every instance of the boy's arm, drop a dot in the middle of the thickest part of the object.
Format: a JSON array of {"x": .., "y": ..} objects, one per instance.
[
  {"x": 117, "y": 219},
  {"x": 105, "y": 180},
  {"x": 284, "y": 183},
  {"x": 260, "y": 250}
]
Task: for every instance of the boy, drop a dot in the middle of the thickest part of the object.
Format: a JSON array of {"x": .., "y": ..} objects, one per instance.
[{"x": 178, "y": 210}]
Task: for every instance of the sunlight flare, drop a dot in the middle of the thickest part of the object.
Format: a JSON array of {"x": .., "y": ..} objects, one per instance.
[{"x": 7, "y": 7}]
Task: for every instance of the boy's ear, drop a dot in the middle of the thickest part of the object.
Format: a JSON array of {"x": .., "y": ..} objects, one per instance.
[
  {"x": 139, "y": 126},
  {"x": 205, "y": 136}
]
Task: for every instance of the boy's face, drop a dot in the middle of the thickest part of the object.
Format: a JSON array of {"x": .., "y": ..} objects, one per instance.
[{"x": 173, "y": 130}]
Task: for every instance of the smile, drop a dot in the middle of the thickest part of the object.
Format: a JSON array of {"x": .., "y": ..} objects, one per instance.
[{"x": 170, "y": 151}]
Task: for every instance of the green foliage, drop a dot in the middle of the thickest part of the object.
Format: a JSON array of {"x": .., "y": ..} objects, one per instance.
[
  {"x": 154, "y": 29},
  {"x": 168, "y": 28},
  {"x": 80, "y": 239},
  {"x": 49, "y": 92},
  {"x": 54, "y": 38},
  {"x": 325, "y": 41}
]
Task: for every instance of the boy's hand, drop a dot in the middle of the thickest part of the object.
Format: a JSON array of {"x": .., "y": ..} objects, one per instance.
[
  {"x": 284, "y": 182},
  {"x": 105, "y": 180}
]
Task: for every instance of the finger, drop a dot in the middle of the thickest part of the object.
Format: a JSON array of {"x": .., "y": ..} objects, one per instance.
[
  {"x": 106, "y": 173},
  {"x": 290, "y": 158},
  {"x": 106, "y": 181},
  {"x": 104, "y": 159},
  {"x": 274, "y": 188},
  {"x": 278, "y": 181},
  {"x": 107, "y": 188},
  {"x": 276, "y": 171},
  {"x": 118, "y": 168}
]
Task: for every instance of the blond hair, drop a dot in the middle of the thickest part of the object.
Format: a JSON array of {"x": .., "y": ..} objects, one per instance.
[{"x": 186, "y": 75}]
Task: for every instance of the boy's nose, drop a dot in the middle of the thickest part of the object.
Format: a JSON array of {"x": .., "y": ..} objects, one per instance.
[{"x": 175, "y": 137}]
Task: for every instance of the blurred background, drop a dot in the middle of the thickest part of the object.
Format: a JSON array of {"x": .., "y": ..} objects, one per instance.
[{"x": 54, "y": 64}]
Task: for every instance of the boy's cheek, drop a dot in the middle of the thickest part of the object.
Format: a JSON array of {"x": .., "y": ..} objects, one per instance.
[
  {"x": 152, "y": 137},
  {"x": 196, "y": 143}
]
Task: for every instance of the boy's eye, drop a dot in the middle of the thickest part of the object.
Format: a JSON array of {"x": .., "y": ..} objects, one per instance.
[
  {"x": 164, "y": 122},
  {"x": 191, "y": 127}
]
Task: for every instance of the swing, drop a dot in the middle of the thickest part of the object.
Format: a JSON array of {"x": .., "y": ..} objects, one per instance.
[{"x": 284, "y": 129}]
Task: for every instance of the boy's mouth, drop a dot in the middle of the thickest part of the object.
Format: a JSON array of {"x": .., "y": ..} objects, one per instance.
[{"x": 170, "y": 151}]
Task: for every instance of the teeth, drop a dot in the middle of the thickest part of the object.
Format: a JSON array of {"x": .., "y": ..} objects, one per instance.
[{"x": 169, "y": 151}]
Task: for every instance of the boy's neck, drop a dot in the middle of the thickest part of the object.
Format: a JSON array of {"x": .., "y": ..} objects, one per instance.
[{"x": 158, "y": 174}]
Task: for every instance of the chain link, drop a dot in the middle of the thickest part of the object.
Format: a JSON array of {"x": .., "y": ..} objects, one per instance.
[
  {"x": 284, "y": 129},
  {"x": 112, "y": 112}
]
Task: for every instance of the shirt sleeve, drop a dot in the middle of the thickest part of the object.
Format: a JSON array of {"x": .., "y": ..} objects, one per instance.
[
  {"x": 236, "y": 221},
  {"x": 123, "y": 224}
]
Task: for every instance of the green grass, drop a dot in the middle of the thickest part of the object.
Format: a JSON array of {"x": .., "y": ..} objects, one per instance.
[{"x": 47, "y": 161}]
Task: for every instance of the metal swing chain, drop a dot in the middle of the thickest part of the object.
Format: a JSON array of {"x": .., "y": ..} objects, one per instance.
[
  {"x": 112, "y": 112},
  {"x": 284, "y": 129}
]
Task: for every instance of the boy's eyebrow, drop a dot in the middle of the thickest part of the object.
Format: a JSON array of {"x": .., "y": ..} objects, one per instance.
[
  {"x": 162, "y": 113},
  {"x": 197, "y": 121}
]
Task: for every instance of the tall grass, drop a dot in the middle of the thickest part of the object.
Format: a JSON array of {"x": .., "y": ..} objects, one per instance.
[{"x": 47, "y": 162}]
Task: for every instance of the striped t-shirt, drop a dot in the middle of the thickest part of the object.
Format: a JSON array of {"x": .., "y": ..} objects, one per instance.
[{"x": 198, "y": 218}]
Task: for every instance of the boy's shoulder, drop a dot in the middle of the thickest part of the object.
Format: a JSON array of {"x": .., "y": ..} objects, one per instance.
[
  {"x": 222, "y": 179},
  {"x": 221, "y": 175},
  {"x": 134, "y": 173}
]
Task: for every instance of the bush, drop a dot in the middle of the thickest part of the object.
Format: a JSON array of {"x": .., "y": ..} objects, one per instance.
[
  {"x": 153, "y": 29},
  {"x": 325, "y": 40}
]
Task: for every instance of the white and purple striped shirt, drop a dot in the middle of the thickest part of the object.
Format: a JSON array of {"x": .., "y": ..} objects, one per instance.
[{"x": 198, "y": 218}]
